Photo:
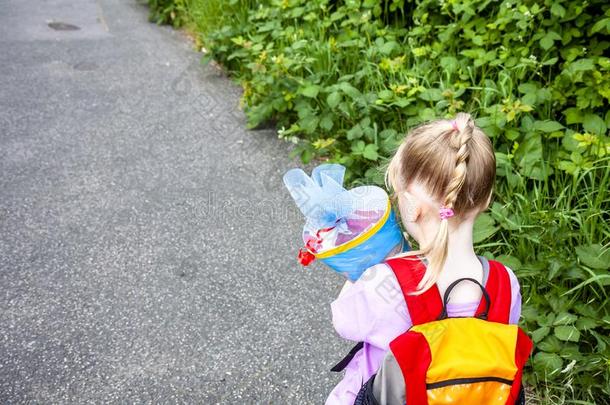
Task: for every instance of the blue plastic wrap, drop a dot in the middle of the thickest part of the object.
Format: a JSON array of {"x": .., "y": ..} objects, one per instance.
[
  {"x": 349, "y": 231},
  {"x": 355, "y": 260}
]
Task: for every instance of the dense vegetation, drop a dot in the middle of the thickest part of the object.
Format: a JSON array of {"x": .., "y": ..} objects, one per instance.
[{"x": 345, "y": 80}]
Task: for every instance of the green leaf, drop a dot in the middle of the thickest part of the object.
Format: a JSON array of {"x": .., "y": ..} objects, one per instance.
[
  {"x": 310, "y": 91},
  {"x": 565, "y": 318},
  {"x": 547, "y": 41},
  {"x": 485, "y": 122},
  {"x": 529, "y": 158},
  {"x": 306, "y": 156},
  {"x": 512, "y": 262},
  {"x": 567, "y": 333},
  {"x": 350, "y": 90},
  {"x": 309, "y": 123},
  {"x": 402, "y": 102},
  {"x": 528, "y": 87},
  {"x": 568, "y": 142},
  {"x": 548, "y": 126},
  {"x": 554, "y": 267},
  {"x": 602, "y": 341},
  {"x": 327, "y": 122},
  {"x": 386, "y": 94},
  {"x": 529, "y": 98},
  {"x": 568, "y": 167},
  {"x": 594, "y": 256},
  {"x": 512, "y": 134},
  {"x": 333, "y": 99},
  {"x": 388, "y": 47},
  {"x": 297, "y": 12},
  {"x": 355, "y": 132},
  {"x": 527, "y": 124},
  {"x": 449, "y": 64},
  {"x": 431, "y": 95},
  {"x": 558, "y": 10},
  {"x": 375, "y": 176},
  {"x": 473, "y": 53},
  {"x": 358, "y": 147},
  {"x": 550, "y": 61},
  {"x": 484, "y": 227},
  {"x": 388, "y": 132},
  {"x": 550, "y": 344},
  {"x": 586, "y": 323},
  {"x": 426, "y": 114},
  {"x": 602, "y": 24},
  {"x": 548, "y": 363},
  {"x": 370, "y": 152},
  {"x": 540, "y": 333},
  {"x": 594, "y": 124},
  {"x": 581, "y": 65},
  {"x": 573, "y": 115}
]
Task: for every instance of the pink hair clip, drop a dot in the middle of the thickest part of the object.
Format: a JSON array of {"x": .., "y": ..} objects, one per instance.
[
  {"x": 454, "y": 125},
  {"x": 445, "y": 213}
]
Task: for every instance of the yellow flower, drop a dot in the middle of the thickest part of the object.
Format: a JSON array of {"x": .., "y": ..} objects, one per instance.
[
  {"x": 398, "y": 88},
  {"x": 288, "y": 95},
  {"x": 421, "y": 51},
  {"x": 323, "y": 143},
  {"x": 279, "y": 59},
  {"x": 392, "y": 64},
  {"x": 513, "y": 108},
  {"x": 586, "y": 139},
  {"x": 332, "y": 42}
]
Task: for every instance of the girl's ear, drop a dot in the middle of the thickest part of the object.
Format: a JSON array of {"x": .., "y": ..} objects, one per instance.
[{"x": 411, "y": 207}]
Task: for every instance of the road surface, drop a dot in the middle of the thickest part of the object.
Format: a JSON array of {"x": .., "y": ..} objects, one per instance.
[{"x": 147, "y": 245}]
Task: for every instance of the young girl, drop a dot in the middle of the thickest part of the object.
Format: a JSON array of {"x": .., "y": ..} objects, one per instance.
[{"x": 442, "y": 175}]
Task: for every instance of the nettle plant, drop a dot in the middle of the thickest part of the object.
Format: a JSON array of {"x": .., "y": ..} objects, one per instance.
[{"x": 345, "y": 80}]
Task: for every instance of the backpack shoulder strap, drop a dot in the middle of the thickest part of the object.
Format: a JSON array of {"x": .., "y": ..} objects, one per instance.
[
  {"x": 413, "y": 355},
  {"x": 499, "y": 289},
  {"x": 427, "y": 306},
  {"x": 424, "y": 307}
]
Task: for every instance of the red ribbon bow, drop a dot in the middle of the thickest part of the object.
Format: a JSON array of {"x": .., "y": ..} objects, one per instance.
[{"x": 305, "y": 256}]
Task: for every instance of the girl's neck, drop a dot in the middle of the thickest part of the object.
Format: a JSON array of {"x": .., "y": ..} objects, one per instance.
[
  {"x": 460, "y": 245},
  {"x": 462, "y": 261}
]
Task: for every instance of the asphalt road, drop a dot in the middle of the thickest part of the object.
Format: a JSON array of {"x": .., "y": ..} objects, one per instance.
[{"x": 147, "y": 245}]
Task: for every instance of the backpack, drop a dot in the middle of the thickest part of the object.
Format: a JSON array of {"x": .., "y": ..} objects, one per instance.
[{"x": 469, "y": 360}]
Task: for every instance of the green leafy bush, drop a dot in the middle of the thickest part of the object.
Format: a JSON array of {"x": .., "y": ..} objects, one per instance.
[
  {"x": 345, "y": 80},
  {"x": 173, "y": 12}
]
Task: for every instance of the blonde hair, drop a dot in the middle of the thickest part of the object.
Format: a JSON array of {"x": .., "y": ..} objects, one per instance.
[{"x": 455, "y": 163}]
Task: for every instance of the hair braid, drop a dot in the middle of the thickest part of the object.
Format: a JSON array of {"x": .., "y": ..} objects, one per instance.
[
  {"x": 437, "y": 251},
  {"x": 465, "y": 127}
]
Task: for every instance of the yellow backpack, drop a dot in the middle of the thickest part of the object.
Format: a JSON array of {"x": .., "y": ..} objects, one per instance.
[{"x": 473, "y": 360}]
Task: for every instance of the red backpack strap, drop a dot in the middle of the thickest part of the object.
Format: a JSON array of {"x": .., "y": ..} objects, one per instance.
[
  {"x": 499, "y": 289},
  {"x": 425, "y": 307},
  {"x": 523, "y": 350},
  {"x": 413, "y": 355}
]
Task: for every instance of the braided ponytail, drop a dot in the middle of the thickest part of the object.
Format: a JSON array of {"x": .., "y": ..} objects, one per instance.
[
  {"x": 463, "y": 125},
  {"x": 455, "y": 162}
]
